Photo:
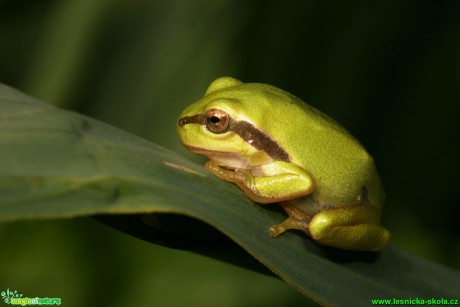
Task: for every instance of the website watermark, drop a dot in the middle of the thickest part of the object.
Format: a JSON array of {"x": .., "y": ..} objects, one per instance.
[
  {"x": 14, "y": 298},
  {"x": 415, "y": 301}
]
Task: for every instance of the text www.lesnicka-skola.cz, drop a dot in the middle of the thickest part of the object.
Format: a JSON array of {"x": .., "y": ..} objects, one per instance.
[{"x": 415, "y": 301}]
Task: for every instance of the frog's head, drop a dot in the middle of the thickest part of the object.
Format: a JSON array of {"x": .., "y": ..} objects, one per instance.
[{"x": 222, "y": 125}]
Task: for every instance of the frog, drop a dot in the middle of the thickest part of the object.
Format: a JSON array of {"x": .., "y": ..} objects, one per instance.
[{"x": 280, "y": 150}]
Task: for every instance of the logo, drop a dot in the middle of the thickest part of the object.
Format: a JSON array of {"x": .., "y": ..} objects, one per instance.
[{"x": 15, "y": 298}]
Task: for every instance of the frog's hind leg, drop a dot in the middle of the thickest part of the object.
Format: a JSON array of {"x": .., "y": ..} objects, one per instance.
[
  {"x": 354, "y": 227},
  {"x": 297, "y": 220}
]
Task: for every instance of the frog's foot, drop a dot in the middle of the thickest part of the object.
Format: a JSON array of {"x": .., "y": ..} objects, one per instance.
[
  {"x": 289, "y": 223},
  {"x": 296, "y": 220}
]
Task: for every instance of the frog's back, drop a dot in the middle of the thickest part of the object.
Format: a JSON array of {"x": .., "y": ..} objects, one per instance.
[{"x": 339, "y": 164}]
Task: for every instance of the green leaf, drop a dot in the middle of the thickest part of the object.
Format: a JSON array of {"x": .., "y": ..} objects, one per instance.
[{"x": 59, "y": 164}]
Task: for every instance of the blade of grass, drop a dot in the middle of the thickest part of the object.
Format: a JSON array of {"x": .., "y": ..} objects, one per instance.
[{"x": 58, "y": 164}]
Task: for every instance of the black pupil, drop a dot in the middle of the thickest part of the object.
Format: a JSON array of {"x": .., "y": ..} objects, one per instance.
[{"x": 214, "y": 119}]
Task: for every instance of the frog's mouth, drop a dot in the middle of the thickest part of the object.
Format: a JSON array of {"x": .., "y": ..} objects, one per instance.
[{"x": 226, "y": 160}]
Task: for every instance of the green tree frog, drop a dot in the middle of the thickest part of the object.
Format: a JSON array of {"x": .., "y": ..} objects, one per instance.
[{"x": 278, "y": 149}]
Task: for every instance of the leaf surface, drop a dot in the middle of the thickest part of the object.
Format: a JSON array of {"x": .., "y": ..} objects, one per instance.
[{"x": 59, "y": 164}]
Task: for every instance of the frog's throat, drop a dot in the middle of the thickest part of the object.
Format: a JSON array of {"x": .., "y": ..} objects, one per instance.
[{"x": 248, "y": 133}]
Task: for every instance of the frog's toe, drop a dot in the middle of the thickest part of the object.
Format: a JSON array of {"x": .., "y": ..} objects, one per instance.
[
  {"x": 289, "y": 223},
  {"x": 276, "y": 230}
]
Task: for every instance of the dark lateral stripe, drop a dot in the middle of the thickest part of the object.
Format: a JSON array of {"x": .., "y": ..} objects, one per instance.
[
  {"x": 195, "y": 119},
  {"x": 248, "y": 133},
  {"x": 259, "y": 140}
]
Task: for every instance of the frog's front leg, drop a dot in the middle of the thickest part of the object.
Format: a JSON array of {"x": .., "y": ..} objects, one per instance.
[{"x": 269, "y": 183}]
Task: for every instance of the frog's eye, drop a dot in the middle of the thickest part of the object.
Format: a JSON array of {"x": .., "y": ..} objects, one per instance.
[{"x": 217, "y": 121}]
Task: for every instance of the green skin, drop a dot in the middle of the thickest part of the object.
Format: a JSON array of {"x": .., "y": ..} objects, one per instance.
[{"x": 278, "y": 149}]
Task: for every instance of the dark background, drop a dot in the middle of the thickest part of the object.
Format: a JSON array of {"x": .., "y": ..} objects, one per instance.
[{"x": 389, "y": 71}]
